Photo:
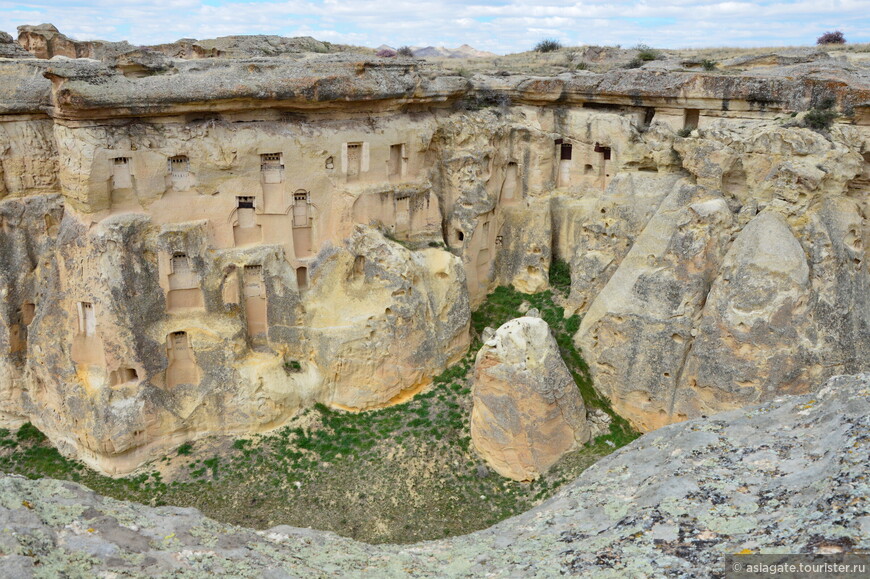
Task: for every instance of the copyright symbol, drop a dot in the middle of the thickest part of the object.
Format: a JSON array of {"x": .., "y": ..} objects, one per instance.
[{"x": 736, "y": 566}]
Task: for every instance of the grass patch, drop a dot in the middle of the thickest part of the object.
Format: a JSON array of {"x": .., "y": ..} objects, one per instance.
[{"x": 397, "y": 475}]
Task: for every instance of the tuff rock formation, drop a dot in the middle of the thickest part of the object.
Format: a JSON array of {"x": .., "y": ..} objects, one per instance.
[
  {"x": 788, "y": 476},
  {"x": 527, "y": 409},
  {"x": 200, "y": 241}
]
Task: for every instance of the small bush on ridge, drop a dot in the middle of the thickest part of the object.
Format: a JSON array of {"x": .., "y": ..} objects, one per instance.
[
  {"x": 548, "y": 45},
  {"x": 835, "y": 37}
]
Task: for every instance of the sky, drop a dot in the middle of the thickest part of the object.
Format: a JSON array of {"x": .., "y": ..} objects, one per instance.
[{"x": 500, "y": 26}]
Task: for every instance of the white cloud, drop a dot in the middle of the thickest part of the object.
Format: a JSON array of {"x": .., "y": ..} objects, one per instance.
[{"x": 500, "y": 26}]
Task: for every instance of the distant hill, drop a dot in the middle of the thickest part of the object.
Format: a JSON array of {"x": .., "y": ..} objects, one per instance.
[{"x": 463, "y": 51}]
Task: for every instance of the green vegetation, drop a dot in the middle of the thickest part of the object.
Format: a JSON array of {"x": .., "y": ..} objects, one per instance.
[
  {"x": 709, "y": 65},
  {"x": 646, "y": 53},
  {"x": 685, "y": 132},
  {"x": 292, "y": 366},
  {"x": 399, "y": 474},
  {"x": 822, "y": 116},
  {"x": 548, "y": 45},
  {"x": 406, "y": 51}
]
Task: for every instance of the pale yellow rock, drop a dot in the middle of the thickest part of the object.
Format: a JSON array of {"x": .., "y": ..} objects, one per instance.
[{"x": 527, "y": 410}]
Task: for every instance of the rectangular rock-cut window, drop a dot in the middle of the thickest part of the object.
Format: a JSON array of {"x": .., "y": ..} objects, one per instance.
[
  {"x": 605, "y": 151},
  {"x": 121, "y": 176},
  {"x": 354, "y": 160},
  {"x": 87, "y": 319},
  {"x": 566, "y": 151},
  {"x": 271, "y": 161},
  {"x": 691, "y": 118},
  {"x": 255, "y": 301},
  {"x": 179, "y": 166},
  {"x": 182, "y": 367},
  {"x": 180, "y": 264},
  {"x": 272, "y": 167},
  {"x": 300, "y": 209},
  {"x": 246, "y": 231},
  {"x": 182, "y": 275},
  {"x": 397, "y": 161},
  {"x": 302, "y": 278},
  {"x": 246, "y": 212}
]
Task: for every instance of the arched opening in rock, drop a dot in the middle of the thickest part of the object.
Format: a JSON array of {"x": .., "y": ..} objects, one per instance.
[{"x": 302, "y": 278}]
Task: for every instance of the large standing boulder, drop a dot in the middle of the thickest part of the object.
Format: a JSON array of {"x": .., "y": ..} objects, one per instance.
[{"x": 527, "y": 410}]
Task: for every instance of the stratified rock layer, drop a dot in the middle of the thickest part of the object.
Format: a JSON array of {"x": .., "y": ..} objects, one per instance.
[
  {"x": 200, "y": 238},
  {"x": 787, "y": 476},
  {"x": 527, "y": 410}
]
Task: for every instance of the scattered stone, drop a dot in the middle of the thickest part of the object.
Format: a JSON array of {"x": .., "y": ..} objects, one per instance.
[{"x": 599, "y": 422}]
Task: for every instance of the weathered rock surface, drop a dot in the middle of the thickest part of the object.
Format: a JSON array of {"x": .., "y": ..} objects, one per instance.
[
  {"x": 199, "y": 238},
  {"x": 786, "y": 476},
  {"x": 527, "y": 410},
  {"x": 679, "y": 330}
]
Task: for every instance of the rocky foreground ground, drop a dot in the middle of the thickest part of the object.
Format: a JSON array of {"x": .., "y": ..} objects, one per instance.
[{"x": 789, "y": 476}]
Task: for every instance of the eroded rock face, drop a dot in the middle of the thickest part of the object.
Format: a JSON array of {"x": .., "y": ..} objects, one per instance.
[
  {"x": 753, "y": 324},
  {"x": 679, "y": 330},
  {"x": 527, "y": 409},
  {"x": 206, "y": 246},
  {"x": 674, "y": 502}
]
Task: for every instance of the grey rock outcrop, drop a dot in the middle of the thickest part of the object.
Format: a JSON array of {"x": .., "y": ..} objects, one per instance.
[
  {"x": 786, "y": 476},
  {"x": 10, "y": 49},
  {"x": 527, "y": 409}
]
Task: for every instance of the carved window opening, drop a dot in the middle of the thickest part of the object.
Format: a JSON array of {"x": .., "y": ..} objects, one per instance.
[
  {"x": 691, "y": 118},
  {"x": 180, "y": 264},
  {"x": 230, "y": 287},
  {"x": 359, "y": 266},
  {"x": 28, "y": 312},
  {"x": 182, "y": 367},
  {"x": 246, "y": 231},
  {"x": 302, "y": 278},
  {"x": 87, "y": 319},
  {"x": 179, "y": 166},
  {"x": 566, "y": 150},
  {"x": 122, "y": 376},
  {"x": 271, "y": 161},
  {"x": 605, "y": 151},
  {"x": 588, "y": 169},
  {"x": 272, "y": 167},
  {"x": 354, "y": 160},
  {"x": 460, "y": 236},
  {"x": 184, "y": 285},
  {"x": 648, "y": 116},
  {"x": 255, "y": 301},
  {"x": 121, "y": 176},
  {"x": 330, "y": 164},
  {"x": 300, "y": 209},
  {"x": 396, "y": 167},
  {"x": 511, "y": 183}
]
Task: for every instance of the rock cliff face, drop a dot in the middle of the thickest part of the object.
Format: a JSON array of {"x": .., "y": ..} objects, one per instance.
[
  {"x": 205, "y": 245},
  {"x": 786, "y": 476},
  {"x": 527, "y": 409}
]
